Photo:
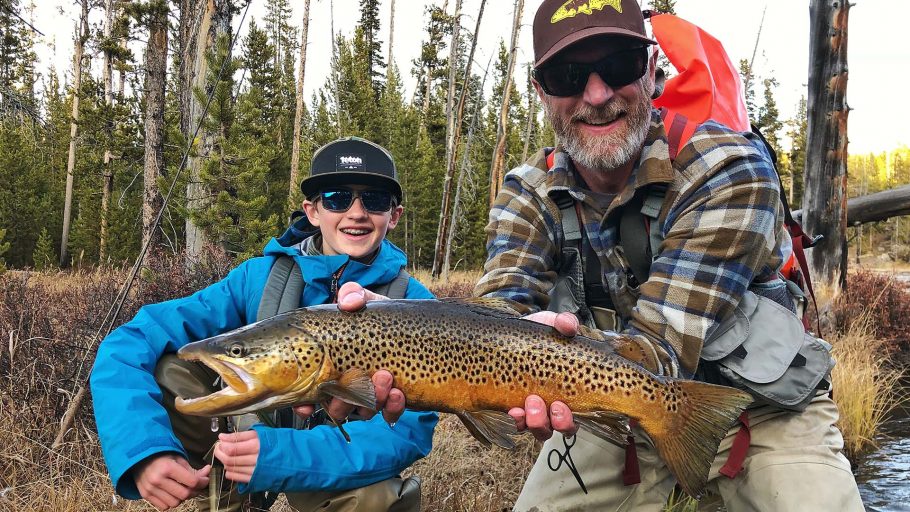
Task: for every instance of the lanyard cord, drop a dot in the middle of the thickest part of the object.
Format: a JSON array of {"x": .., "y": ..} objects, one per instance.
[{"x": 107, "y": 325}]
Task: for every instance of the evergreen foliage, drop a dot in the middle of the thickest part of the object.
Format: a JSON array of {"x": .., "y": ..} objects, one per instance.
[
  {"x": 247, "y": 166},
  {"x": 372, "y": 51},
  {"x": 4, "y": 246},
  {"x": 797, "y": 132},
  {"x": 44, "y": 256},
  {"x": 237, "y": 167}
]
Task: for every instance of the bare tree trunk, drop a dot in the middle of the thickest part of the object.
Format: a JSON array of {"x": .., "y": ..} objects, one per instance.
[
  {"x": 79, "y": 42},
  {"x": 107, "y": 174},
  {"x": 155, "y": 74},
  {"x": 499, "y": 154},
  {"x": 201, "y": 23},
  {"x": 298, "y": 111},
  {"x": 532, "y": 104},
  {"x": 446, "y": 219},
  {"x": 448, "y": 180},
  {"x": 464, "y": 169},
  {"x": 825, "y": 198},
  {"x": 391, "y": 32},
  {"x": 754, "y": 50}
]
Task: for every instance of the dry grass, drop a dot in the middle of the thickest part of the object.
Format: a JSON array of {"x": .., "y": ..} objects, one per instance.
[
  {"x": 47, "y": 322},
  {"x": 460, "y": 475},
  {"x": 458, "y": 284},
  {"x": 866, "y": 387}
]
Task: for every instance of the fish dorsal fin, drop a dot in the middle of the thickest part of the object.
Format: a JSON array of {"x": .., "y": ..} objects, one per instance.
[
  {"x": 490, "y": 427},
  {"x": 592, "y": 333},
  {"x": 608, "y": 426},
  {"x": 501, "y": 308},
  {"x": 354, "y": 387}
]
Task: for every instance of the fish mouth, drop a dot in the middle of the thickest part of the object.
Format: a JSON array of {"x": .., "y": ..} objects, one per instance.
[{"x": 241, "y": 389}]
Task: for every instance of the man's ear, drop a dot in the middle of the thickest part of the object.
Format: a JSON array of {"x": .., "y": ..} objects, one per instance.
[
  {"x": 657, "y": 75},
  {"x": 395, "y": 217},
  {"x": 312, "y": 212},
  {"x": 540, "y": 93}
]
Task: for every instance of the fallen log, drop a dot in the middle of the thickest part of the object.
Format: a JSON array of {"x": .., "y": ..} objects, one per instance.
[{"x": 875, "y": 207}]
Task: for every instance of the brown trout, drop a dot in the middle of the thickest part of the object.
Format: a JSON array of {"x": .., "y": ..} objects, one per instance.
[{"x": 475, "y": 358}]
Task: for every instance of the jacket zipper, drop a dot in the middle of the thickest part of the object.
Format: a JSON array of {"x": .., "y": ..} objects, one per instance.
[{"x": 333, "y": 289}]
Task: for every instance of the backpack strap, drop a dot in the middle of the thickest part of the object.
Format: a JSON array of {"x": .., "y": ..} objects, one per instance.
[
  {"x": 283, "y": 288},
  {"x": 639, "y": 233},
  {"x": 396, "y": 288},
  {"x": 679, "y": 130}
]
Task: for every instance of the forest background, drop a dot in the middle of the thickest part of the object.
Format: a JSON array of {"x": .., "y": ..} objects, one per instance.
[
  {"x": 94, "y": 131},
  {"x": 234, "y": 191}
]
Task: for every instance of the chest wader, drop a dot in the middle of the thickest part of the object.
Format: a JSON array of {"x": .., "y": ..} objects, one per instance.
[
  {"x": 282, "y": 293},
  {"x": 785, "y": 368}
]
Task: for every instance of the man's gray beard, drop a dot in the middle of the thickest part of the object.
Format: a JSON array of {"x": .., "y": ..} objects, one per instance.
[{"x": 614, "y": 150}]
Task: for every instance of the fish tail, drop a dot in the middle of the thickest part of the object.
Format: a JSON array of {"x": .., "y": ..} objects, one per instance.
[{"x": 687, "y": 438}]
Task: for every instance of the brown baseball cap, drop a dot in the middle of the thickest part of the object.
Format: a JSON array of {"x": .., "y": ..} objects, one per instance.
[{"x": 560, "y": 23}]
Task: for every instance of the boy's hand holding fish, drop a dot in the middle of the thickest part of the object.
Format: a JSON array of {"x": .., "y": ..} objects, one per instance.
[{"x": 238, "y": 451}]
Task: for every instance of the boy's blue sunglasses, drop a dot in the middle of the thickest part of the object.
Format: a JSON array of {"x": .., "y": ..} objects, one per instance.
[{"x": 339, "y": 200}]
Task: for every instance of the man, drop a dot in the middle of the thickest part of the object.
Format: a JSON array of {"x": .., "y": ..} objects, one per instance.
[
  {"x": 154, "y": 452},
  {"x": 722, "y": 242}
]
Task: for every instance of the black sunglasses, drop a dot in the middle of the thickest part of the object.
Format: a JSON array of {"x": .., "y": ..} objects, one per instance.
[
  {"x": 339, "y": 200},
  {"x": 616, "y": 70}
]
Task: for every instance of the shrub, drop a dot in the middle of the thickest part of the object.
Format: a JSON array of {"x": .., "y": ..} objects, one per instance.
[{"x": 881, "y": 298}]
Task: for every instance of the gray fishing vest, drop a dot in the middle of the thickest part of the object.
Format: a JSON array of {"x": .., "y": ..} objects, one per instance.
[{"x": 762, "y": 348}]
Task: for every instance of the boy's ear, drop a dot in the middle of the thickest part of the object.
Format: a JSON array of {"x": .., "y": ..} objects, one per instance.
[
  {"x": 395, "y": 217},
  {"x": 312, "y": 213}
]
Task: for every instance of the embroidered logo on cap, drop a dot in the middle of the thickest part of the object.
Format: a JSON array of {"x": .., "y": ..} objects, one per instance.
[
  {"x": 349, "y": 163},
  {"x": 573, "y": 7}
]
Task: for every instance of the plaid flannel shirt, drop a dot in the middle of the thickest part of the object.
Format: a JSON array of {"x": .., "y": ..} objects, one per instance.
[{"x": 721, "y": 223}]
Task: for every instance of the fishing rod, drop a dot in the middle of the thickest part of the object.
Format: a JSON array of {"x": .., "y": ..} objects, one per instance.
[{"x": 114, "y": 311}]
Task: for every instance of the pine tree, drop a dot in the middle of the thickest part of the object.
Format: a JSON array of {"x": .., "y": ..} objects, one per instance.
[
  {"x": 431, "y": 66},
  {"x": 746, "y": 71},
  {"x": 236, "y": 169},
  {"x": 668, "y": 7},
  {"x": 4, "y": 246},
  {"x": 768, "y": 116},
  {"x": 43, "y": 257},
  {"x": 797, "y": 132},
  {"x": 369, "y": 26},
  {"x": 665, "y": 6}
]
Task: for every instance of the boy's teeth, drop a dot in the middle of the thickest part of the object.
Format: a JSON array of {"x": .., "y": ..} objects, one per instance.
[{"x": 355, "y": 231}]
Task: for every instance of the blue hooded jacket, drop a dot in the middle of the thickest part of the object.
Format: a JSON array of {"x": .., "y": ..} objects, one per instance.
[{"x": 133, "y": 425}]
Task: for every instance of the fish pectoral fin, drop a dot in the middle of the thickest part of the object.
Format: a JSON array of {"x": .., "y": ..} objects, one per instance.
[
  {"x": 608, "y": 426},
  {"x": 354, "y": 387},
  {"x": 489, "y": 306},
  {"x": 490, "y": 427}
]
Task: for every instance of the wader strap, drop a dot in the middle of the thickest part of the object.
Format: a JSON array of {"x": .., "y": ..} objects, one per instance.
[
  {"x": 739, "y": 448},
  {"x": 571, "y": 228},
  {"x": 639, "y": 241},
  {"x": 283, "y": 288},
  {"x": 630, "y": 473}
]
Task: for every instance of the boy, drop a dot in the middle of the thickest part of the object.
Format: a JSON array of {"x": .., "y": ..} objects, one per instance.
[{"x": 354, "y": 198}]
